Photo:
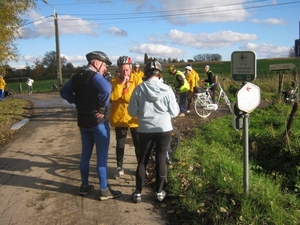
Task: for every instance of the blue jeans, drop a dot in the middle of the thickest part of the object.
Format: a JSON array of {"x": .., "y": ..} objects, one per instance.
[
  {"x": 183, "y": 97},
  {"x": 1, "y": 94},
  {"x": 99, "y": 136}
]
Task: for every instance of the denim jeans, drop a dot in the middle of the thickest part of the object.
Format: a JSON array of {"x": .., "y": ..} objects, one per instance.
[
  {"x": 1, "y": 95},
  {"x": 99, "y": 136}
]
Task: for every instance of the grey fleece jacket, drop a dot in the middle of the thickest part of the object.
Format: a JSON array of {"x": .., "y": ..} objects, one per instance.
[{"x": 154, "y": 103}]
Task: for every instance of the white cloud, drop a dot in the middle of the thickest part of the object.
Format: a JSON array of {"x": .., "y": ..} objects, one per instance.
[
  {"x": 157, "y": 50},
  {"x": 117, "y": 32},
  {"x": 66, "y": 25},
  {"x": 267, "y": 50},
  {"x": 271, "y": 21},
  {"x": 204, "y": 11},
  {"x": 209, "y": 41}
]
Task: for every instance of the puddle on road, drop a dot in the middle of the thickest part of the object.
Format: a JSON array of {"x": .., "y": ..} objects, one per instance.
[{"x": 19, "y": 124}]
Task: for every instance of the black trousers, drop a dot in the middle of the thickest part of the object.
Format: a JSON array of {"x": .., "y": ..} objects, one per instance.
[
  {"x": 121, "y": 135},
  {"x": 146, "y": 141}
]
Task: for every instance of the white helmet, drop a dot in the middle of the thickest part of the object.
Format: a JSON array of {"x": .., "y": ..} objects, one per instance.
[
  {"x": 136, "y": 65},
  {"x": 188, "y": 68}
]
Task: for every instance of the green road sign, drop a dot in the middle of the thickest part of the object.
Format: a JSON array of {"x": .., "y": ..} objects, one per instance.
[{"x": 243, "y": 66}]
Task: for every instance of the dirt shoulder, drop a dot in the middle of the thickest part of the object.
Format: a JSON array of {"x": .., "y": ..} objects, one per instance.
[{"x": 39, "y": 175}]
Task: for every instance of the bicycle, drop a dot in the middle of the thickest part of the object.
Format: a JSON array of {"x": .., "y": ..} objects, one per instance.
[
  {"x": 203, "y": 103},
  {"x": 291, "y": 94}
]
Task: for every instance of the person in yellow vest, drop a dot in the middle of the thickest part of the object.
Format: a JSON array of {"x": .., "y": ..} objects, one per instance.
[
  {"x": 196, "y": 76},
  {"x": 183, "y": 86},
  {"x": 137, "y": 72},
  {"x": 122, "y": 88},
  {"x": 190, "y": 77}
]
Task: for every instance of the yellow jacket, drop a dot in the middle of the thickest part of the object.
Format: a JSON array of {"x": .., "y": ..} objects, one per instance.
[
  {"x": 191, "y": 80},
  {"x": 196, "y": 76},
  {"x": 2, "y": 84},
  {"x": 120, "y": 96},
  {"x": 139, "y": 74}
]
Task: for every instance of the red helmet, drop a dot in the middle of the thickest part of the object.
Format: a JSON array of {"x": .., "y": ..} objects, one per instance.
[{"x": 124, "y": 60}]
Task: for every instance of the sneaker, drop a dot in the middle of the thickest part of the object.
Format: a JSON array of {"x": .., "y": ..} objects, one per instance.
[
  {"x": 147, "y": 173},
  {"x": 84, "y": 190},
  {"x": 160, "y": 196},
  {"x": 109, "y": 194},
  {"x": 119, "y": 172},
  {"x": 188, "y": 111},
  {"x": 181, "y": 115},
  {"x": 136, "y": 198}
]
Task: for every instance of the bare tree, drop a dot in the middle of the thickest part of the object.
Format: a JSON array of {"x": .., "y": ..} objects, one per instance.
[{"x": 291, "y": 52}]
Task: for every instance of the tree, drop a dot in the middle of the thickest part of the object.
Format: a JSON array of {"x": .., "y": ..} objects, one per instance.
[
  {"x": 10, "y": 17},
  {"x": 291, "y": 52},
  {"x": 49, "y": 61},
  {"x": 146, "y": 59}
]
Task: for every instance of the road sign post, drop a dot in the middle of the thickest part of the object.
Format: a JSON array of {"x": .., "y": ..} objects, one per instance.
[
  {"x": 248, "y": 98},
  {"x": 243, "y": 66},
  {"x": 284, "y": 66}
]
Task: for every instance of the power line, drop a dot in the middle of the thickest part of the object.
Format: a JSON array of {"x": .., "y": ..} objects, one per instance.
[{"x": 146, "y": 16}]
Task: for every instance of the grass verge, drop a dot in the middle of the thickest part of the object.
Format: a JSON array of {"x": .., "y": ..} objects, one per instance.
[
  {"x": 12, "y": 110},
  {"x": 206, "y": 180}
]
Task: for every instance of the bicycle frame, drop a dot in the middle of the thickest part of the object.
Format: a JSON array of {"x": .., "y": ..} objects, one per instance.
[{"x": 204, "y": 105}]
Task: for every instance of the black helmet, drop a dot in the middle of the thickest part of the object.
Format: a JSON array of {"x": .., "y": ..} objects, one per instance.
[
  {"x": 151, "y": 66},
  {"x": 124, "y": 60},
  {"x": 101, "y": 56}
]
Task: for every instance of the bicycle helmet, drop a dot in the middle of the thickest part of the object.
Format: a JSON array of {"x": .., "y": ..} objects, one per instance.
[
  {"x": 188, "y": 68},
  {"x": 136, "y": 65},
  {"x": 101, "y": 56},
  {"x": 124, "y": 60},
  {"x": 171, "y": 68},
  {"x": 152, "y": 66}
]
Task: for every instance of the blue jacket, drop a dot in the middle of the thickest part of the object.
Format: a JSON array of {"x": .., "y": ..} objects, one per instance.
[{"x": 154, "y": 103}]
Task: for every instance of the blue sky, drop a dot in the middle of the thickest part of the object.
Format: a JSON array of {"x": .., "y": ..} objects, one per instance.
[{"x": 161, "y": 28}]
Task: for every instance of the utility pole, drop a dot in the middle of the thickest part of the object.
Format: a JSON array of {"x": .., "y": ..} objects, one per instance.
[{"x": 58, "y": 61}]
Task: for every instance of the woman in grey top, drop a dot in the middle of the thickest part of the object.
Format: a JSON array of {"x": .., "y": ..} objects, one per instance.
[{"x": 154, "y": 103}]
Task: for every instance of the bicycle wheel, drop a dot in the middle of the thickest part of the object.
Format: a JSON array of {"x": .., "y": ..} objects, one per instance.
[
  {"x": 175, "y": 139},
  {"x": 228, "y": 103},
  {"x": 199, "y": 106}
]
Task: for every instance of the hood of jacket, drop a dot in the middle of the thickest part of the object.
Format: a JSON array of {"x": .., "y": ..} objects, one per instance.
[{"x": 153, "y": 89}]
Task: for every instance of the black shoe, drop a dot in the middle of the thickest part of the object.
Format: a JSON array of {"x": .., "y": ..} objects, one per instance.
[
  {"x": 84, "y": 190},
  {"x": 109, "y": 194}
]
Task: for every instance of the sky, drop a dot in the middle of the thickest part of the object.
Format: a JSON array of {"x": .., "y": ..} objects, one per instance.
[{"x": 161, "y": 28}]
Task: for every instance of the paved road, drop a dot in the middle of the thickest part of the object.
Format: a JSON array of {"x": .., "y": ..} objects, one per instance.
[{"x": 39, "y": 175}]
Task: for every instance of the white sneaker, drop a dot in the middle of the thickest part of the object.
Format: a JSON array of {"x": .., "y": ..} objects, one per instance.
[
  {"x": 160, "y": 196},
  {"x": 119, "y": 172},
  {"x": 188, "y": 111},
  {"x": 181, "y": 115}
]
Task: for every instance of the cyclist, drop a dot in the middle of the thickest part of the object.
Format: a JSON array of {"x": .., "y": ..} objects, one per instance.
[
  {"x": 182, "y": 85},
  {"x": 90, "y": 92},
  {"x": 196, "y": 75},
  {"x": 137, "y": 72},
  {"x": 122, "y": 88},
  {"x": 154, "y": 103},
  {"x": 190, "y": 77},
  {"x": 211, "y": 79}
]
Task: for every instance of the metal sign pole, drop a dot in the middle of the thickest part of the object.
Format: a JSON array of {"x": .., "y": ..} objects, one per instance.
[{"x": 246, "y": 152}]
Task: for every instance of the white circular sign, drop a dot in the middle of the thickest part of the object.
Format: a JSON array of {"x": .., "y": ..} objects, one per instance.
[{"x": 248, "y": 97}]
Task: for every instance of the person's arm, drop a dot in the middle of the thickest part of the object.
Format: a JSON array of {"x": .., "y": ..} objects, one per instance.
[
  {"x": 133, "y": 107},
  {"x": 104, "y": 89},
  {"x": 66, "y": 92},
  {"x": 180, "y": 80},
  {"x": 173, "y": 105}
]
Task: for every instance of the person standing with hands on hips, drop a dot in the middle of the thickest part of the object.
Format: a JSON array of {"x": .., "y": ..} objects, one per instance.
[
  {"x": 90, "y": 92},
  {"x": 122, "y": 88},
  {"x": 154, "y": 103},
  {"x": 182, "y": 85},
  {"x": 211, "y": 79}
]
